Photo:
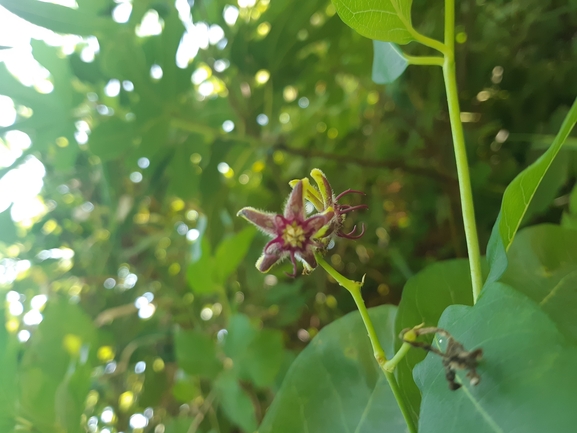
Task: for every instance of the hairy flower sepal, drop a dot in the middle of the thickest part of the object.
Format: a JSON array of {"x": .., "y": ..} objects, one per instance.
[{"x": 293, "y": 234}]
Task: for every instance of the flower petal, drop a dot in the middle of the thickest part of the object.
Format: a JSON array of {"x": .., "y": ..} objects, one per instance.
[
  {"x": 295, "y": 205},
  {"x": 308, "y": 258},
  {"x": 318, "y": 225},
  {"x": 311, "y": 193},
  {"x": 324, "y": 187},
  {"x": 265, "y": 221},
  {"x": 268, "y": 260},
  {"x": 274, "y": 246}
]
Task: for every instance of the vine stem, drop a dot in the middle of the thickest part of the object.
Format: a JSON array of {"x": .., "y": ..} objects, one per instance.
[
  {"x": 354, "y": 288},
  {"x": 465, "y": 190},
  {"x": 447, "y": 49}
]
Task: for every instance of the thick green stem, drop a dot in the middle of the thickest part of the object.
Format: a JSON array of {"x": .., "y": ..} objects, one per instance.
[
  {"x": 354, "y": 287},
  {"x": 465, "y": 191}
]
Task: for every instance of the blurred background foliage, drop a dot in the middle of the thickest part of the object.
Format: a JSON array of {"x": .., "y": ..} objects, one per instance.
[{"x": 139, "y": 128}]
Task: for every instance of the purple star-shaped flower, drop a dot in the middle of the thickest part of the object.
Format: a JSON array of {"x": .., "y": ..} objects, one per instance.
[{"x": 293, "y": 234}]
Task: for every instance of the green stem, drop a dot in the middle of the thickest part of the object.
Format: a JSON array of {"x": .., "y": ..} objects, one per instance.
[
  {"x": 354, "y": 287},
  {"x": 424, "y": 60},
  {"x": 392, "y": 363},
  {"x": 378, "y": 351},
  {"x": 392, "y": 380},
  {"x": 429, "y": 42},
  {"x": 465, "y": 191}
]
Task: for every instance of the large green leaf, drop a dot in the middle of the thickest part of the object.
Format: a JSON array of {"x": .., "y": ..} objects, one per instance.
[
  {"x": 517, "y": 199},
  {"x": 425, "y": 297},
  {"x": 335, "y": 384},
  {"x": 388, "y": 62},
  {"x": 384, "y": 20},
  {"x": 543, "y": 266},
  {"x": 528, "y": 373},
  {"x": 58, "y": 18}
]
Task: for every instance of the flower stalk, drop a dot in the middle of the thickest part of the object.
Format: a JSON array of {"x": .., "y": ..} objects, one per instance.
[{"x": 354, "y": 288}]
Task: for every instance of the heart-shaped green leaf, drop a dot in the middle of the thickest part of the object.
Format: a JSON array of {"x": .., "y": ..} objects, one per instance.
[
  {"x": 384, "y": 20},
  {"x": 335, "y": 384},
  {"x": 528, "y": 373},
  {"x": 543, "y": 266},
  {"x": 425, "y": 297}
]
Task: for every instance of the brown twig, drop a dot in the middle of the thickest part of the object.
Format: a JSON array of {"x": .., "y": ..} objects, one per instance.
[
  {"x": 108, "y": 316},
  {"x": 391, "y": 164}
]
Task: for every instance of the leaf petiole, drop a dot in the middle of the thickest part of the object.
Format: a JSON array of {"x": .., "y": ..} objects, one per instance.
[
  {"x": 428, "y": 42},
  {"x": 391, "y": 364},
  {"x": 424, "y": 60}
]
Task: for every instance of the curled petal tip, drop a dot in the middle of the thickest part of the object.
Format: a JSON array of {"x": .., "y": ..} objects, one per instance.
[
  {"x": 346, "y": 209},
  {"x": 350, "y": 235},
  {"x": 349, "y": 191}
]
